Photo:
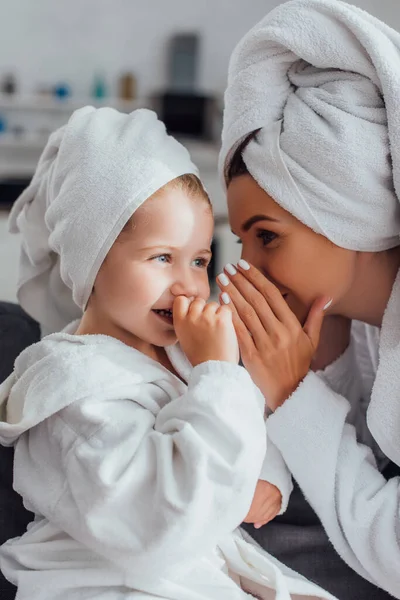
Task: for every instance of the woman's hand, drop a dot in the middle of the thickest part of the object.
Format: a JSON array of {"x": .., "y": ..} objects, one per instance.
[
  {"x": 275, "y": 349},
  {"x": 205, "y": 331},
  {"x": 266, "y": 504}
]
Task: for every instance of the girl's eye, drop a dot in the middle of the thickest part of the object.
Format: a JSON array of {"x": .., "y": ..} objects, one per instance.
[
  {"x": 266, "y": 236},
  {"x": 163, "y": 258},
  {"x": 201, "y": 263},
  {"x": 239, "y": 241}
]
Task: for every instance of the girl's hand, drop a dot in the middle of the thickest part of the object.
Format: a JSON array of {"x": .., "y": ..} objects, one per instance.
[
  {"x": 266, "y": 504},
  {"x": 275, "y": 349},
  {"x": 205, "y": 331}
]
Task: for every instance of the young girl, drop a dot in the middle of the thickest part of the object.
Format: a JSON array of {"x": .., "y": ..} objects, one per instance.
[{"x": 138, "y": 456}]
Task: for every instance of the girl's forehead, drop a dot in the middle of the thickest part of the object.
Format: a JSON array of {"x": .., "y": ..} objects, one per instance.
[{"x": 172, "y": 221}]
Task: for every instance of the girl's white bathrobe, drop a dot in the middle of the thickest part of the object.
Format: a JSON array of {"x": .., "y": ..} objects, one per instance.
[{"x": 136, "y": 479}]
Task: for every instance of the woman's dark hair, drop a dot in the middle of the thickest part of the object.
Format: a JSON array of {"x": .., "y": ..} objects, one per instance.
[{"x": 237, "y": 165}]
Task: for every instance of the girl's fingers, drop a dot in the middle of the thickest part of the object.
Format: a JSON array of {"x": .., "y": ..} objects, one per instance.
[
  {"x": 196, "y": 307},
  {"x": 211, "y": 308},
  {"x": 180, "y": 307},
  {"x": 246, "y": 341}
]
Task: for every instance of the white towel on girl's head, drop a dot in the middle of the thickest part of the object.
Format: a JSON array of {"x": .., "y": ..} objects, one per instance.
[
  {"x": 320, "y": 82},
  {"x": 92, "y": 176}
]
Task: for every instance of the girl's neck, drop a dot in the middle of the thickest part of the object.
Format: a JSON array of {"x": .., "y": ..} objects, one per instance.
[{"x": 91, "y": 325}]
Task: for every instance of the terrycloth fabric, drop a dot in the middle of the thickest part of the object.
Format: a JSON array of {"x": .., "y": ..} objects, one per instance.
[
  {"x": 297, "y": 538},
  {"x": 321, "y": 80},
  {"x": 383, "y": 415},
  {"x": 103, "y": 164},
  {"x": 358, "y": 508},
  {"x": 135, "y": 477}
]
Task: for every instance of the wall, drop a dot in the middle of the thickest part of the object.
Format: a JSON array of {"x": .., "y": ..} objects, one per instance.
[
  {"x": 387, "y": 10},
  {"x": 47, "y": 40},
  {"x": 44, "y": 41}
]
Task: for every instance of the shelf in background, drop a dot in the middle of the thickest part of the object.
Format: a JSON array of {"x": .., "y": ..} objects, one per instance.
[
  {"x": 44, "y": 103},
  {"x": 10, "y": 141}
]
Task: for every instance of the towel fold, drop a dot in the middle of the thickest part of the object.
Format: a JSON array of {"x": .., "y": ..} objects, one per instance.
[
  {"x": 318, "y": 81},
  {"x": 93, "y": 174}
]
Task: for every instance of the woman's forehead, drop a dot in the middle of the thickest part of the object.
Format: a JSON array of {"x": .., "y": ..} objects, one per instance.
[{"x": 246, "y": 198}]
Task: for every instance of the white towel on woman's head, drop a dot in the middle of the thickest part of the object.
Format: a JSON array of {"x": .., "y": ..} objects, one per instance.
[
  {"x": 320, "y": 82},
  {"x": 92, "y": 176}
]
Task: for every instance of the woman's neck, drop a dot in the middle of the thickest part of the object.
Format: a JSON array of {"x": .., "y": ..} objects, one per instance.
[{"x": 369, "y": 296}]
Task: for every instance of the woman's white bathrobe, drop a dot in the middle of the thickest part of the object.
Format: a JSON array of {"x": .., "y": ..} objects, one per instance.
[
  {"x": 136, "y": 479},
  {"x": 359, "y": 509}
]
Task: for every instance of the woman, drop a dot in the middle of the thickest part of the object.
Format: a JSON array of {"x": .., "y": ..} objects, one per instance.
[{"x": 311, "y": 161}]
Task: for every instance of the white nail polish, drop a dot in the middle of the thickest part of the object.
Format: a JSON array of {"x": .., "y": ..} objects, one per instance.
[
  {"x": 243, "y": 264},
  {"x": 225, "y": 298},
  {"x": 327, "y": 305},
  {"x": 223, "y": 279},
  {"x": 230, "y": 269}
]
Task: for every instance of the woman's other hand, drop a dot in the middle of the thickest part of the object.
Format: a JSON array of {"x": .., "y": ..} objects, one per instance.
[{"x": 266, "y": 504}]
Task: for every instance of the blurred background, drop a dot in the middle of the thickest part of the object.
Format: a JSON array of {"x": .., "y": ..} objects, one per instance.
[{"x": 169, "y": 55}]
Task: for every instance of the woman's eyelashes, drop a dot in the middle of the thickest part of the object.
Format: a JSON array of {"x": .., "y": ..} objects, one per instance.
[{"x": 266, "y": 236}]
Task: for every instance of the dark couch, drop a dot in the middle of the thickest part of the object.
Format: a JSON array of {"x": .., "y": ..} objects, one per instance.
[{"x": 17, "y": 331}]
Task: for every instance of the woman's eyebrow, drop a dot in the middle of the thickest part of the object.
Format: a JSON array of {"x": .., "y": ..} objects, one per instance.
[{"x": 255, "y": 219}]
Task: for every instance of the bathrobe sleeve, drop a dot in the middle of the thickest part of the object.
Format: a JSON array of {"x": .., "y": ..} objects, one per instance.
[
  {"x": 152, "y": 492},
  {"x": 352, "y": 376},
  {"x": 275, "y": 471},
  {"x": 359, "y": 509}
]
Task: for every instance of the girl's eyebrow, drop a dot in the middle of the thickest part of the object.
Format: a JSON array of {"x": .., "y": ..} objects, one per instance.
[{"x": 171, "y": 249}]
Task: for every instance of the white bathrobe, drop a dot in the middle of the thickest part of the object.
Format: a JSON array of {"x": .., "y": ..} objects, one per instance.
[
  {"x": 136, "y": 479},
  {"x": 359, "y": 509}
]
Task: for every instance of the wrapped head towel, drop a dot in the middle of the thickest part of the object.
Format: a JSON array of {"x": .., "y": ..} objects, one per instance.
[
  {"x": 93, "y": 174},
  {"x": 319, "y": 81}
]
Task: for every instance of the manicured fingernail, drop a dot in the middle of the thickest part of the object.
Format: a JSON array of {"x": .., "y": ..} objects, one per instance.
[
  {"x": 243, "y": 264},
  {"x": 257, "y": 525},
  {"x": 223, "y": 279},
  {"x": 230, "y": 269},
  {"x": 327, "y": 305},
  {"x": 225, "y": 298}
]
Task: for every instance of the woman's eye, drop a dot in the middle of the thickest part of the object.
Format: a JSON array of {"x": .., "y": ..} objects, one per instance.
[
  {"x": 163, "y": 258},
  {"x": 239, "y": 241},
  {"x": 266, "y": 237},
  {"x": 201, "y": 263}
]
